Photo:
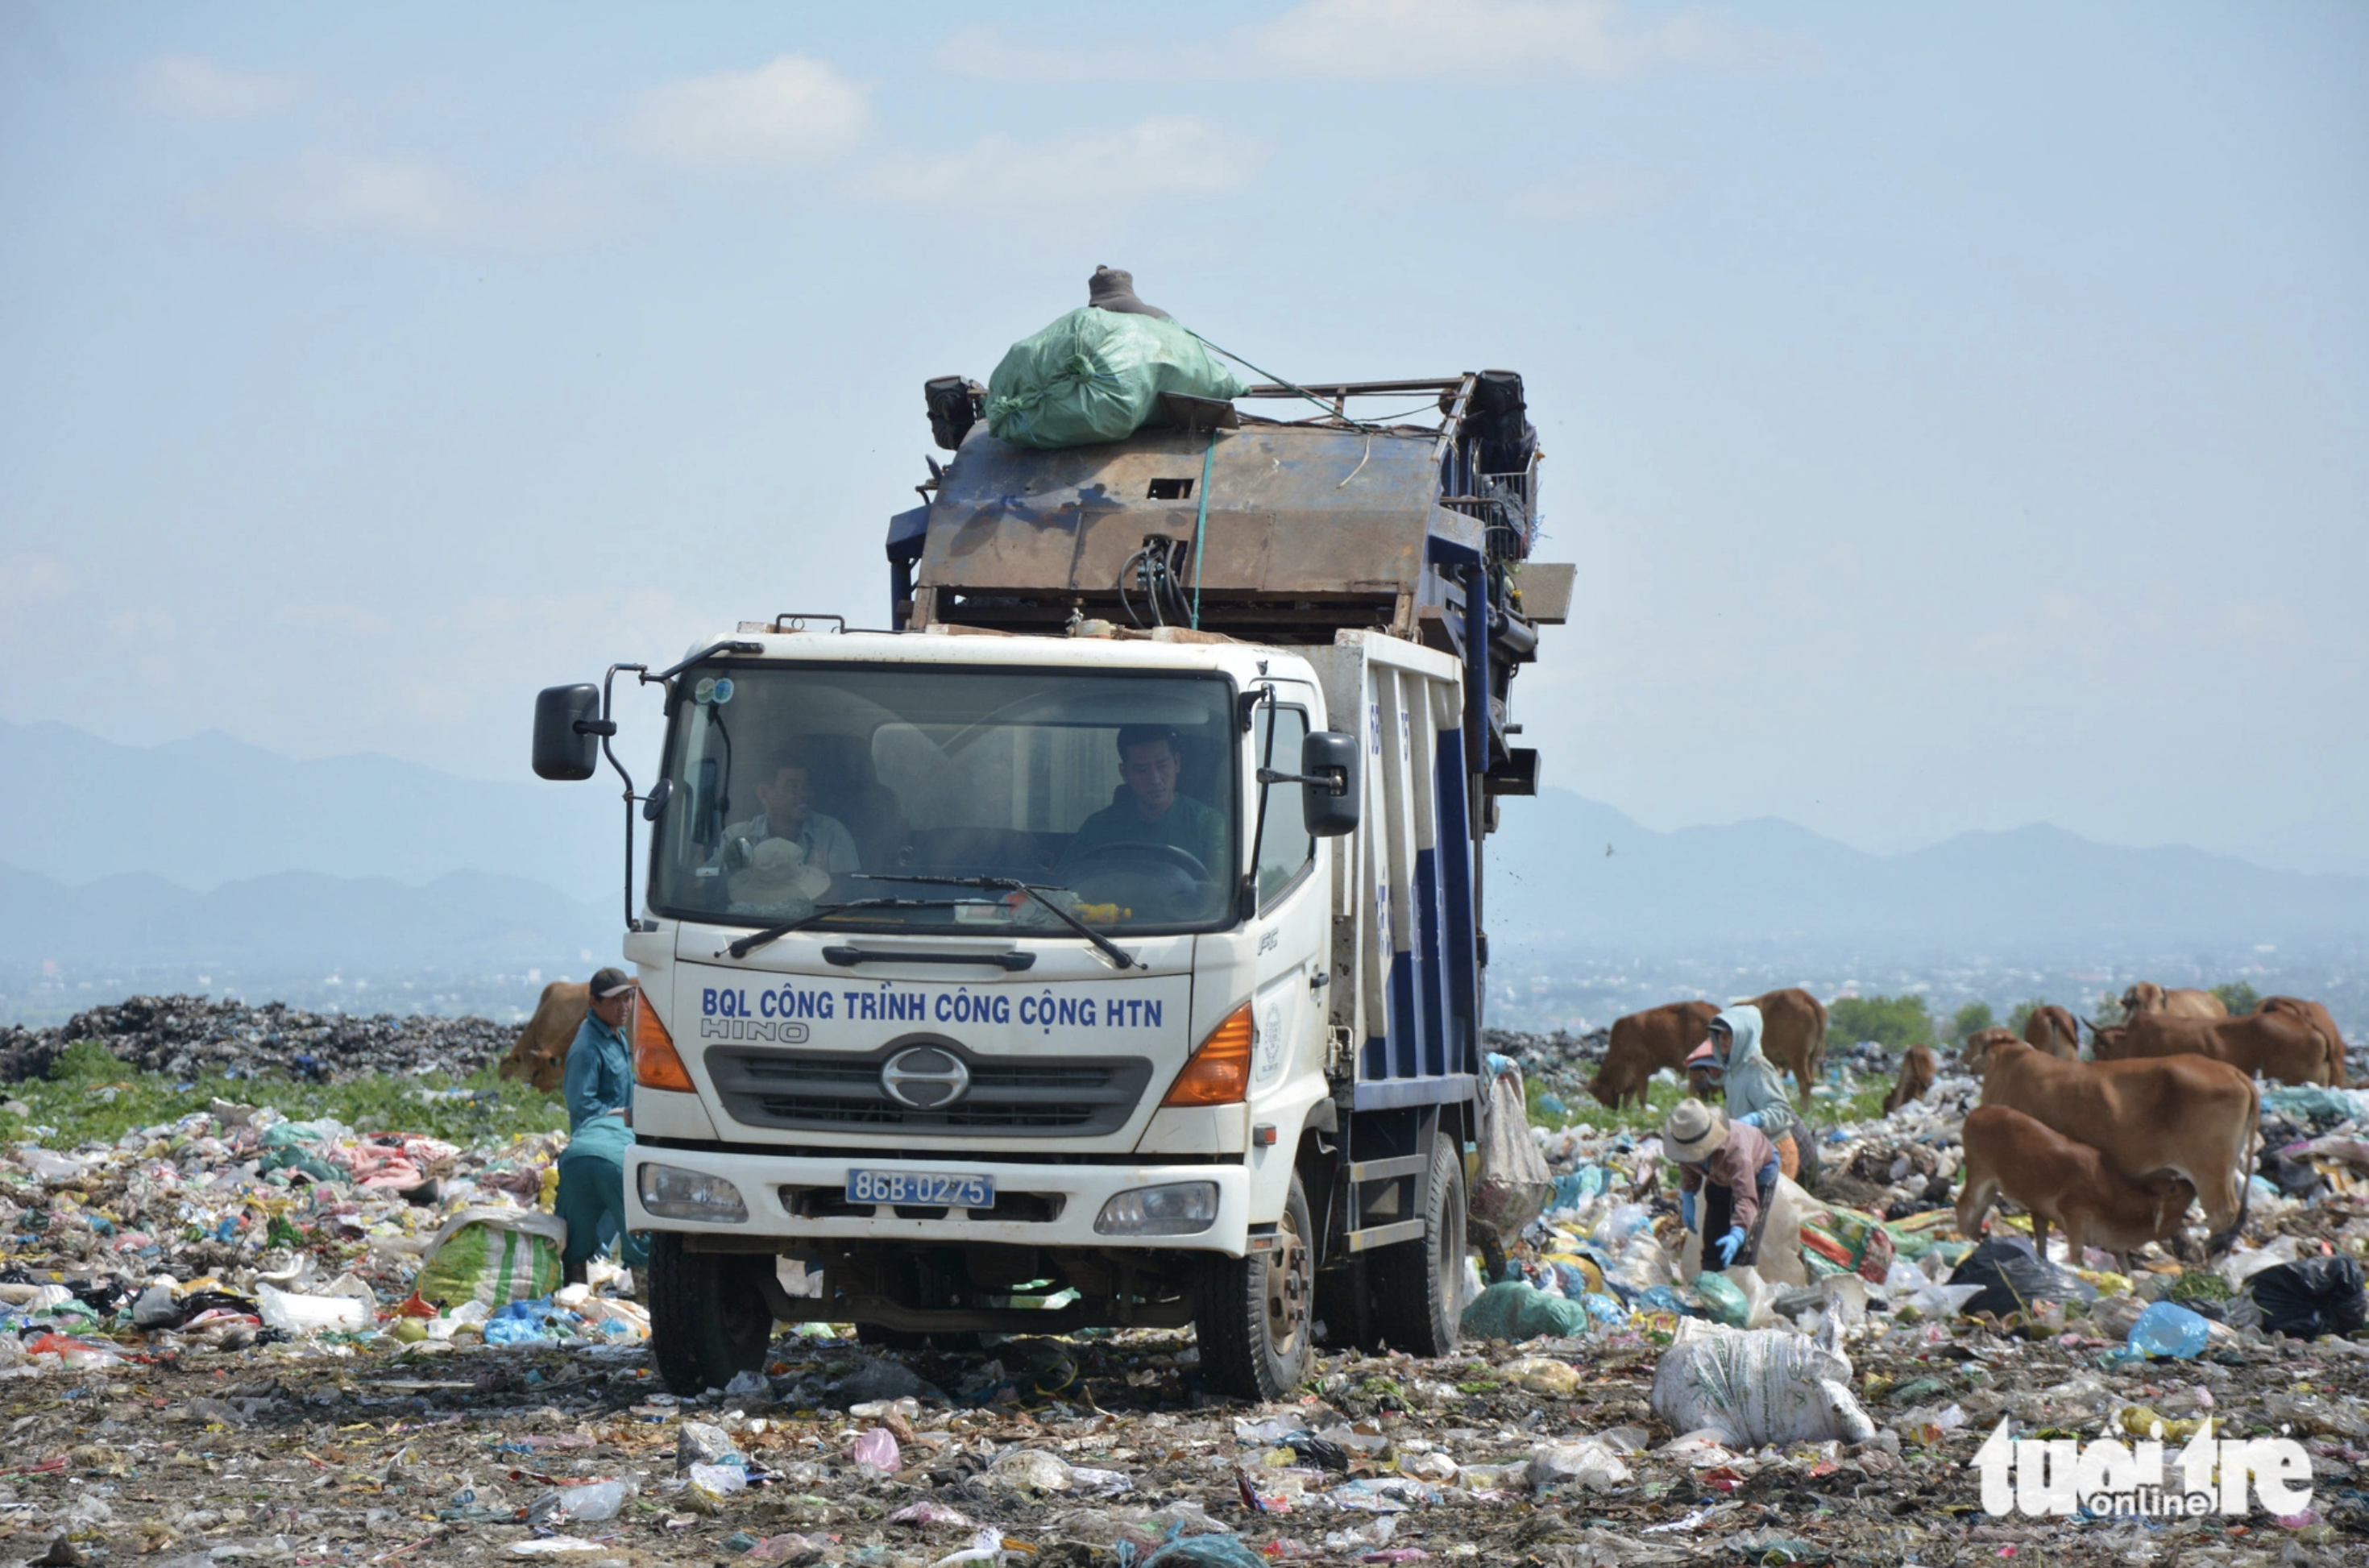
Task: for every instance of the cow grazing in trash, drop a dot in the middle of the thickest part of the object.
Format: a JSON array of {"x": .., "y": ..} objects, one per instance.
[
  {"x": 540, "y": 1058},
  {"x": 1916, "y": 1077},
  {"x": 2146, "y": 997},
  {"x": 2288, "y": 1046},
  {"x": 2052, "y": 1028},
  {"x": 1793, "y": 1033},
  {"x": 2192, "y": 1116},
  {"x": 2317, "y": 1016},
  {"x": 1644, "y": 1042},
  {"x": 2065, "y": 1183}
]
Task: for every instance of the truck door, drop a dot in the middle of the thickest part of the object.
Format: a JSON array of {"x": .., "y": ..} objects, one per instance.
[{"x": 1293, "y": 933}]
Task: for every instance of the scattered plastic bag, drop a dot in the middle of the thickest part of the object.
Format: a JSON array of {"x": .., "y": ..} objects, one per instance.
[
  {"x": 2168, "y": 1329},
  {"x": 1756, "y": 1387},
  {"x": 1724, "y": 1299},
  {"x": 2318, "y": 1296},
  {"x": 1519, "y": 1310},
  {"x": 1222, "y": 1550},
  {"x": 304, "y": 1316},
  {"x": 876, "y": 1450},
  {"x": 2012, "y": 1278},
  {"x": 1589, "y": 1465}
]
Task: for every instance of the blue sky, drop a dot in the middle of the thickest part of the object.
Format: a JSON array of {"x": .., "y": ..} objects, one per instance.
[{"x": 1960, "y": 414}]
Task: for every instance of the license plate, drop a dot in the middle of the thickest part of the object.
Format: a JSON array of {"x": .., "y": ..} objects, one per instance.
[{"x": 926, "y": 1188}]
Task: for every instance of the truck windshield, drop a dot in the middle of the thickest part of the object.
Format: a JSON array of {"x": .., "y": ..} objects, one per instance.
[{"x": 798, "y": 787}]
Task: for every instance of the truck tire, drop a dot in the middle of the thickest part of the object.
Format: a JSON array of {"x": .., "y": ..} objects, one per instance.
[
  {"x": 1418, "y": 1286},
  {"x": 1254, "y": 1323},
  {"x": 708, "y": 1320}
]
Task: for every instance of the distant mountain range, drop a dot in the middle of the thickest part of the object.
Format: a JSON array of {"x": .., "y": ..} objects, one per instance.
[
  {"x": 1569, "y": 872},
  {"x": 209, "y": 850},
  {"x": 211, "y": 809}
]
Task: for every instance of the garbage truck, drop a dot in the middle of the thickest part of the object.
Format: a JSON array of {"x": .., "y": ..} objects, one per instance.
[{"x": 1100, "y": 942}]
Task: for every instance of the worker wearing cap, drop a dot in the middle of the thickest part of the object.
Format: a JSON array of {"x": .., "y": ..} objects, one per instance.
[
  {"x": 598, "y": 1090},
  {"x": 1732, "y": 1167}
]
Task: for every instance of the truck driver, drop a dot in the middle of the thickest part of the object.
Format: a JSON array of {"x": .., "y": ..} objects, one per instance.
[{"x": 1151, "y": 811}]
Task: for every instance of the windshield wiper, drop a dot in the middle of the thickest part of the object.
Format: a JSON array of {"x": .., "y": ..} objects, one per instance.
[
  {"x": 749, "y": 944},
  {"x": 1111, "y": 950}
]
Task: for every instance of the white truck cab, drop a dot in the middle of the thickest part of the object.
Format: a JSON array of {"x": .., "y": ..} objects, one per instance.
[{"x": 1021, "y": 969}]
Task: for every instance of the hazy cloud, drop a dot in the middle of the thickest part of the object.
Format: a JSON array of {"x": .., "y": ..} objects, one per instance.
[
  {"x": 404, "y": 197},
  {"x": 28, "y": 578},
  {"x": 795, "y": 109},
  {"x": 189, "y": 86},
  {"x": 348, "y": 618},
  {"x": 1160, "y": 156},
  {"x": 1403, "y": 41}
]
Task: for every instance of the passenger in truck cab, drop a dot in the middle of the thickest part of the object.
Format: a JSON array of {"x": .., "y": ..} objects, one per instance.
[
  {"x": 786, "y": 791},
  {"x": 1150, "y": 810}
]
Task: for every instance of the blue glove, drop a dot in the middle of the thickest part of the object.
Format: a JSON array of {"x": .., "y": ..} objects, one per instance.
[
  {"x": 1729, "y": 1245},
  {"x": 1749, "y": 1118},
  {"x": 1686, "y": 1208}
]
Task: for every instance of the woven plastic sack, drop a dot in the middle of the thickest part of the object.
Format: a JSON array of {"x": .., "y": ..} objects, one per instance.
[
  {"x": 495, "y": 1256},
  {"x": 1096, "y": 375},
  {"x": 1756, "y": 1387},
  {"x": 1514, "y": 1183}
]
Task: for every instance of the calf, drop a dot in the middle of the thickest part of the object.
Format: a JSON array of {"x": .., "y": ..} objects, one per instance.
[
  {"x": 540, "y": 1056},
  {"x": 2285, "y": 1046},
  {"x": 1644, "y": 1042},
  {"x": 1916, "y": 1077},
  {"x": 2063, "y": 1182},
  {"x": 2187, "y": 1115}
]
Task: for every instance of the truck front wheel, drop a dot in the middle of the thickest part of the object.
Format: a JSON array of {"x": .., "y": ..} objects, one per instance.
[
  {"x": 1253, "y": 1322},
  {"x": 708, "y": 1318},
  {"x": 1418, "y": 1286}
]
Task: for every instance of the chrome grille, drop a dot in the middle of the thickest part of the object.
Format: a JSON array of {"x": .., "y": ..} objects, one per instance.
[{"x": 838, "y": 1090}]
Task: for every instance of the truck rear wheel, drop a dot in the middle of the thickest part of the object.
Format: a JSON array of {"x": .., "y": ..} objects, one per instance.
[
  {"x": 1418, "y": 1285},
  {"x": 1254, "y": 1324},
  {"x": 708, "y": 1319}
]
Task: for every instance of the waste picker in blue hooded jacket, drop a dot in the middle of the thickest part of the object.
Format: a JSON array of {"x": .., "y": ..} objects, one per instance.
[
  {"x": 598, "y": 1090},
  {"x": 1754, "y": 1092}
]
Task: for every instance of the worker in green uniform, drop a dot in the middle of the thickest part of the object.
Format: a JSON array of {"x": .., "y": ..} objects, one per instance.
[
  {"x": 1151, "y": 811},
  {"x": 599, "y": 1089}
]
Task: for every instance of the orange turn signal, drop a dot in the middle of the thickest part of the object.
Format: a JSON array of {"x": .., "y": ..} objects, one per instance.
[
  {"x": 657, "y": 1064},
  {"x": 1220, "y": 1073}
]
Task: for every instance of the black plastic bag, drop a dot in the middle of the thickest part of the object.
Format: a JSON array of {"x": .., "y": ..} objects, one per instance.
[
  {"x": 2012, "y": 1278},
  {"x": 2318, "y": 1296}
]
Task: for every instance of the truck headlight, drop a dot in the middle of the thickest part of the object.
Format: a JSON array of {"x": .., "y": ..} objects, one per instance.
[
  {"x": 1179, "y": 1208},
  {"x": 672, "y": 1193}
]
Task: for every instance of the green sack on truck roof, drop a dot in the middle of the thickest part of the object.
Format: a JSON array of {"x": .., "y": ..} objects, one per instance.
[
  {"x": 493, "y": 1255},
  {"x": 1096, "y": 375}
]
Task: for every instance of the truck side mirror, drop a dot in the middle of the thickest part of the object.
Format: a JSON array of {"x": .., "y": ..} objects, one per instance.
[
  {"x": 1329, "y": 813},
  {"x": 568, "y": 730}
]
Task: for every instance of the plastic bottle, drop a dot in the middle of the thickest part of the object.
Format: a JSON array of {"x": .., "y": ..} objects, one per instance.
[{"x": 2166, "y": 1328}]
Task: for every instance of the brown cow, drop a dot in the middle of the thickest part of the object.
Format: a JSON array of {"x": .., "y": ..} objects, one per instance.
[
  {"x": 2284, "y": 1046},
  {"x": 1916, "y": 1077},
  {"x": 1981, "y": 1041},
  {"x": 540, "y": 1055},
  {"x": 1644, "y": 1042},
  {"x": 2051, "y": 1028},
  {"x": 2067, "y": 1184},
  {"x": 2148, "y": 997},
  {"x": 1793, "y": 1033},
  {"x": 2319, "y": 1017},
  {"x": 2187, "y": 1115}
]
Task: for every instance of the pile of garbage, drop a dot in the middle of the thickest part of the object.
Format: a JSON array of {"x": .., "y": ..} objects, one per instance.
[
  {"x": 186, "y": 1036},
  {"x": 236, "y": 1335}
]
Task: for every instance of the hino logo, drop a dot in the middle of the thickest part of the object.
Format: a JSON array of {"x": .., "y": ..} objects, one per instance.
[{"x": 926, "y": 1078}]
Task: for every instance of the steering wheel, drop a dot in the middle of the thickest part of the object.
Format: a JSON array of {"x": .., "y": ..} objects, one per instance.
[{"x": 1183, "y": 860}]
